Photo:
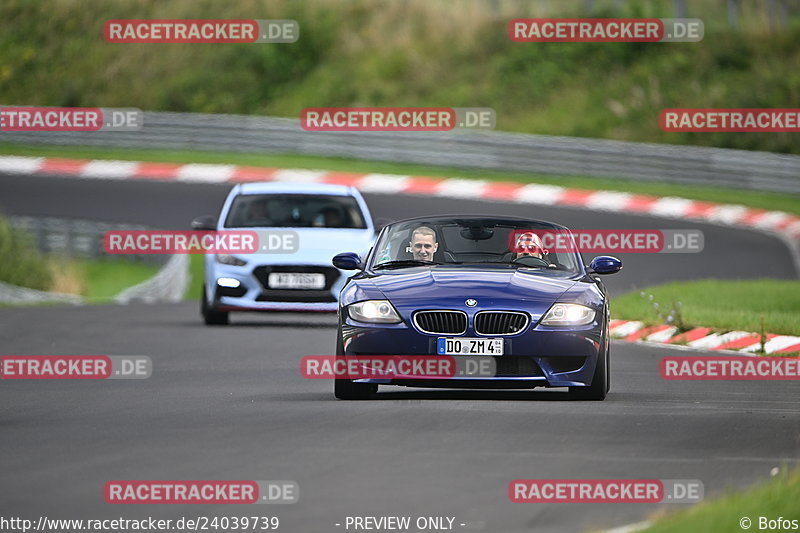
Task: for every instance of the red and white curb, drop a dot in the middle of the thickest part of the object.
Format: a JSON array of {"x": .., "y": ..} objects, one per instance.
[
  {"x": 781, "y": 223},
  {"x": 785, "y": 225},
  {"x": 703, "y": 338}
]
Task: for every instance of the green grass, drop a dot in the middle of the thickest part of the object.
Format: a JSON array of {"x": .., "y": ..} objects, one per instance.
[
  {"x": 411, "y": 53},
  {"x": 760, "y": 200},
  {"x": 96, "y": 280},
  {"x": 20, "y": 262},
  {"x": 105, "y": 278},
  {"x": 777, "y": 497},
  {"x": 196, "y": 269},
  {"x": 726, "y": 305}
]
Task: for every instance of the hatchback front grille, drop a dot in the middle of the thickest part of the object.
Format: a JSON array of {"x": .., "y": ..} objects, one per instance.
[
  {"x": 323, "y": 295},
  {"x": 441, "y": 322},
  {"x": 262, "y": 274},
  {"x": 294, "y": 295},
  {"x": 500, "y": 322}
]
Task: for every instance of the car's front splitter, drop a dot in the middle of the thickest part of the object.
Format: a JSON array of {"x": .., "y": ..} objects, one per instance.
[{"x": 240, "y": 304}]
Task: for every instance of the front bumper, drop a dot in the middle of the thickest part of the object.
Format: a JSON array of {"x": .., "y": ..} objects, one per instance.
[
  {"x": 254, "y": 295},
  {"x": 538, "y": 357}
]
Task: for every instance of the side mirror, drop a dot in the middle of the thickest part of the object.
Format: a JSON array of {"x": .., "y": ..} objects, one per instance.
[
  {"x": 205, "y": 223},
  {"x": 347, "y": 261},
  {"x": 605, "y": 264}
]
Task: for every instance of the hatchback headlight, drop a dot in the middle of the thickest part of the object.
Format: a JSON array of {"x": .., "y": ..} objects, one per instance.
[
  {"x": 375, "y": 311},
  {"x": 568, "y": 315},
  {"x": 228, "y": 259}
]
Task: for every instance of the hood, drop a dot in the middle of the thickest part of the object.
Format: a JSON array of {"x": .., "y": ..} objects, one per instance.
[{"x": 493, "y": 287}]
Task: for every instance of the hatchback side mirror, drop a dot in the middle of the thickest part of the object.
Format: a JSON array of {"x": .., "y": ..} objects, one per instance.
[
  {"x": 605, "y": 264},
  {"x": 204, "y": 223}
]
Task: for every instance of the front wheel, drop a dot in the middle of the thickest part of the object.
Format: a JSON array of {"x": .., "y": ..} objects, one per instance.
[
  {"x": 601, "y": 381},
  {"x": 211, "y": 316},
  {"x": 347, "y": 389}
]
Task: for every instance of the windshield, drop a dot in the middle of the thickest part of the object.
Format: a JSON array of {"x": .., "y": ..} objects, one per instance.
[
  {"x": 474, "y": 240},
  {"x": 295, "y": 211}
]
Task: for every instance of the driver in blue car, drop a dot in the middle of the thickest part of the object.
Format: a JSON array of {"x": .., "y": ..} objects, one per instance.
[
  {"x": 529, "y": 244},
  {"x": 423, "y": 243}
]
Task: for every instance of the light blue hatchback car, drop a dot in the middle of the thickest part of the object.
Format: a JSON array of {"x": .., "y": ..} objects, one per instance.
[{"x": 310, "y": 223}]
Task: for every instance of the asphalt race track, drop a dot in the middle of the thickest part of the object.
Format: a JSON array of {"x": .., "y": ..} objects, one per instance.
[
  {"x": 730, "y": 253},
  {"x": 230, "y": 403}
]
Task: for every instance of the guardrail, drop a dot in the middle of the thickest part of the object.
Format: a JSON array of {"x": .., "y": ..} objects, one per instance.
[
  {"x": 78, "y": 238},
  {"x": 463, "y": 149},
  {"x": 84, "y": 238}
]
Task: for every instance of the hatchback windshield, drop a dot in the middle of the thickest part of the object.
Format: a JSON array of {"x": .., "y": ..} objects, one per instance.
[{"x": 295, "y": 211}]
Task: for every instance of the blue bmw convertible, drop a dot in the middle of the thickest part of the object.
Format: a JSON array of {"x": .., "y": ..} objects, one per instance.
[{"x": 481, "y": 286}]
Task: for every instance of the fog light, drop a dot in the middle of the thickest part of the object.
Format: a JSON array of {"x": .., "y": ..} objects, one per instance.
[{"x": 231, "y": 283}]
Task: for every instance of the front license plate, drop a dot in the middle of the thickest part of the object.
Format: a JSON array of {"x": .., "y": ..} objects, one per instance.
[
  {"x": 468, "y": 346},
  {"x": 291, "y": 280}
]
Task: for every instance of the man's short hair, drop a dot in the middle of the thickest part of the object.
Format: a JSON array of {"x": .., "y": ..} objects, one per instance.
[{"x": 423, "y": 230}]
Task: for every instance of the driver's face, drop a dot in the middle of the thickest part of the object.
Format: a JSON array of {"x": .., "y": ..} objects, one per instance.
[
  {"x": 423, "y": 247},
  {"x": 528, "y": 249}
]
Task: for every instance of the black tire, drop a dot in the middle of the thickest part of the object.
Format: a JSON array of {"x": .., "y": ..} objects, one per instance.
[
  {"x": 346, "y": 389},
  {"x": 211, "y": 316},
  {"x": 601, "y": 380},
  {"x": 608, "y": 364}
]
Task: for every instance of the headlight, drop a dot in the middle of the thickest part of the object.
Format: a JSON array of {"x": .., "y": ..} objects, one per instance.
[
  {"x": 228, "y": 259},
  {"x": 377, "y": 311},
  {"x": 568, "y": 315}
]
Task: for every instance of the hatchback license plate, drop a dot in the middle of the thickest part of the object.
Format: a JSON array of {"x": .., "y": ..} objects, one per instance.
[{"x": 291, "y": 280}]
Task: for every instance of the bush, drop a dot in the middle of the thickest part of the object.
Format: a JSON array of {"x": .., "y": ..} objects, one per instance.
[
  {"x": 20, "y": 263},
  {"x": 410, "y": 52}
]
